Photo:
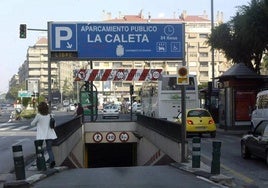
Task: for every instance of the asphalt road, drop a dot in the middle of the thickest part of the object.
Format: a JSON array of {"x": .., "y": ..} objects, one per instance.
[{"x": 246, "y": 173}]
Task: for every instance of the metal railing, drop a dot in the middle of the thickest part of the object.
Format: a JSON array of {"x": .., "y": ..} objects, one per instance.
[
  {"x": 64, "y": 131},
  {"x": 171, "y": 130}
]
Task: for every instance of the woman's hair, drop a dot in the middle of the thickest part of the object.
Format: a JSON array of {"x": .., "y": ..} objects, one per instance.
[{"x": 43, "y": 108}]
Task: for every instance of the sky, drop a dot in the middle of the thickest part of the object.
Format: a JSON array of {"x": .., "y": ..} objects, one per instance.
[{"x": 36, "y": 14}]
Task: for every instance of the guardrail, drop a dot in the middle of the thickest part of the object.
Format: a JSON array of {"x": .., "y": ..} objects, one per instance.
[
  {"x": 64, "y": 131},
  {"x": 169, "y": 129}
]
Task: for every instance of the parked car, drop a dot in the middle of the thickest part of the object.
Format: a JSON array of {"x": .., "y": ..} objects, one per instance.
[
  {"x": 110, "y": 111},
  {"x": 71, "y": 108},
  {"x": 255, "y": 143},
  {"x": 260, "y": 112},
  {"x": 136, "y": 108},
  {"x": 198, "y": 121}
]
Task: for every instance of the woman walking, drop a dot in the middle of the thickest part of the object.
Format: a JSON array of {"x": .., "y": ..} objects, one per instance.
[{"x": 44, "y": 132}]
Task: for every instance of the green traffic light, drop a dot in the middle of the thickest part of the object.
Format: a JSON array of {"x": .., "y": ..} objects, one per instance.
[{"x": 23, "y": 29}]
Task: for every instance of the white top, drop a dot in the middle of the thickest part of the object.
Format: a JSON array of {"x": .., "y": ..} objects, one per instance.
[{"x": 43, "y": 130}]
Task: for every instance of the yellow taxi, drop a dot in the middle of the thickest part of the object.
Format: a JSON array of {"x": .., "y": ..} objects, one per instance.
[{"x": 198, "y": 121}]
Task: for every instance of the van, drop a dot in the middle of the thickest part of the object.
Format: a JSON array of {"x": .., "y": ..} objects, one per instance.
[{"x": 260, "y": 112}]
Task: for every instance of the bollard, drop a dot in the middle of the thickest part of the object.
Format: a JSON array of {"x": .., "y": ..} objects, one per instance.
[
  {"x": 18, "y": 162},
  {"x": 196, "y": 152},
  {"x": 215, "y": 163},
  {"x": 40, "y": 158}
]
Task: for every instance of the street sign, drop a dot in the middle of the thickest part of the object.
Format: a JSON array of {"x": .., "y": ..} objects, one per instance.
[
  {"x": 124, "y": 136},
  {"x": 32, "y": 85},
  {"x": 117, "y": 40},
  {"x": 22, "y": 94},
  {"x": 110, "y": 137},
  {"x": 86, "y": 102},
  {"x": 97, "y": 137},
  {"x": 182, "y": 76}
]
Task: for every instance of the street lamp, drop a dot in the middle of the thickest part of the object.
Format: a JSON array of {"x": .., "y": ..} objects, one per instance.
[{"x": 212, "y": 49}]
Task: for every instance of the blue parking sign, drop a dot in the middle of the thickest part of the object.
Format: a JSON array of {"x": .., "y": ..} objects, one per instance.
[{"x": 63, "y": 37}]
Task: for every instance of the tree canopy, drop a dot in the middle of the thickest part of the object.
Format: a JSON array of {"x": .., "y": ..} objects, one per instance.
[{"x": 244, "y": 39}]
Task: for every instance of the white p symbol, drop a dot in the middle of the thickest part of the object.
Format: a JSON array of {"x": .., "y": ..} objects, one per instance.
[{"x": 67, "y": 35}]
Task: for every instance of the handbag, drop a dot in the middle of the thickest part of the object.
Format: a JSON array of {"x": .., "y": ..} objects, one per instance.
[{"x": 52, "y": 122}]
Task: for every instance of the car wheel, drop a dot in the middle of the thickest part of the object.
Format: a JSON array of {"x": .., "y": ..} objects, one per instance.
[
  {"x": 267, "y": 157},
  {"x": 244, "y": 151},
  {"x": 213, "y": 134}
]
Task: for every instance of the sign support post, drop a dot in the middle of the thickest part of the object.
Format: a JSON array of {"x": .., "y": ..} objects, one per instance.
[
  {"x": 183, "y": 107},
  {"x": 49, "y": 68}
]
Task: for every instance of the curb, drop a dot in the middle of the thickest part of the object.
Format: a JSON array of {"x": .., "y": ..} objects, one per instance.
[
  {"x": 205, "y": 173},
  {"x": 34, "y": 178}
]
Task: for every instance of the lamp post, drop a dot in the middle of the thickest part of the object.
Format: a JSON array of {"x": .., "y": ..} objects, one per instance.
[{"x": 212, "y": 49}]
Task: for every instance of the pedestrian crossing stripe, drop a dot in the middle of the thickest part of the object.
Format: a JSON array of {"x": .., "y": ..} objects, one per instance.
[{"x": 13, "y": 127}]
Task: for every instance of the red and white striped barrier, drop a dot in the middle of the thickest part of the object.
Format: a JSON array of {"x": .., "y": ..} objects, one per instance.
[{"x": 117, "y": 74}]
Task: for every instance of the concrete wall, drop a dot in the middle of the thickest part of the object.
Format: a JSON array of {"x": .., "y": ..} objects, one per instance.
[
  {"x": 70, "y": 145},
  {"x": 151, "y": 146}
]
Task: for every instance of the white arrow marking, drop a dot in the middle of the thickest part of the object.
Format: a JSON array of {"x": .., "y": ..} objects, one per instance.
[{"x": 69, "y": 45}]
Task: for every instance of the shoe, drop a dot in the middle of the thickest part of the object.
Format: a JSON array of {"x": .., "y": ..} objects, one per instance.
[{"x": 52, "y": 164}]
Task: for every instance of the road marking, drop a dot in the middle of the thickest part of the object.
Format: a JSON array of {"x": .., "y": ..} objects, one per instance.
[
  {"x": 32, "y": 129},
  {"x": 3, "y": 129},
  {"x": 235, "y": 173},
  {"x": 20, "y": 128},
  {"x": 238, "y": 174}
]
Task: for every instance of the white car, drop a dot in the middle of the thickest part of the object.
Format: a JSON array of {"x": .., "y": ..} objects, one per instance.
[
  {"x": 71, "y": 107},
  {"x": 136, "y": 108},
  {"x": 260, "y": 112},
  {"x": 110, "y": 111}
]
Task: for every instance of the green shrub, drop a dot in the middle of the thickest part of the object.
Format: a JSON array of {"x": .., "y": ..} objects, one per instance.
[{"x": 28, "y": 114}]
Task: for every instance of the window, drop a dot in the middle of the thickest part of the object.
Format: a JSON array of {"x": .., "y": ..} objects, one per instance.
[
  {"x": 192, "y": 64},
  {"x": 96, "y": 64},
  {"x": 204, "y": 73},
  {"x": 262, "y": 101},
  {"x": 192, "y": 35},
  {"x": 192, "y": 54},
  {"x": 118, "y": 84},
  {"x": 173, "y": 64},
  {"x": 117, "y": 64},
  {"x": 260, "y": 129},
  {"x": 203, "y": 35},
  {"x": 203, "y": 64},
  {"x": 203, "y": 54}
]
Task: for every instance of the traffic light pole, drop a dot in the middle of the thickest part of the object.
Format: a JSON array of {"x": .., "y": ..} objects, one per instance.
[
  {"x": 91, "y": 97},
  {"x": 49, "y": 68},
  {"x": 36, "y": 29}
]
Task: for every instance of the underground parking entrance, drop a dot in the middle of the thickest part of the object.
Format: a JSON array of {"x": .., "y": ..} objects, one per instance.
[{"x": 111, "y": 155}]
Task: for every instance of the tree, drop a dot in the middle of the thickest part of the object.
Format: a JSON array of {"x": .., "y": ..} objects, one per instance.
[
  {"x": 245, "y": 37},
  {"x": 67, "y": 89},
  {"x": 12, "y": 94}
]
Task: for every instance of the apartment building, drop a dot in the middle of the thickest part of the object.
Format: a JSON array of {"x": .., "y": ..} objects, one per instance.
[
  {"x": 198, "y": 59},
  {"x": 35, "y": 69}
]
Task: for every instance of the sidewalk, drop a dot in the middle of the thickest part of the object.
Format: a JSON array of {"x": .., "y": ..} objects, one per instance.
[{"x": 239, "y": 133}]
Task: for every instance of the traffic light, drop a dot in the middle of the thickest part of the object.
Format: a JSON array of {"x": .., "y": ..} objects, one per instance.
[
  {"x": 23, "y": 29},
  {"x": 131, "y": 89},
  {"x": 86, "y": 86}
]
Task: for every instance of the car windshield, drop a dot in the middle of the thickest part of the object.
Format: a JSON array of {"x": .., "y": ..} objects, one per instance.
[
  {"x": 110, "y": 107},
  {"x": 198, "y": 113}
]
